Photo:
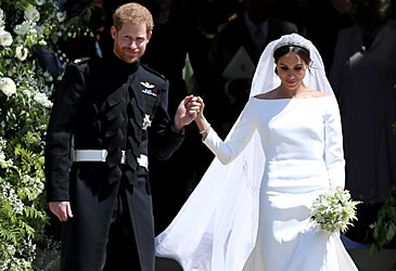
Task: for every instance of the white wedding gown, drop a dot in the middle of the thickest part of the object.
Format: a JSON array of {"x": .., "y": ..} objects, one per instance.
[{"x": 302, "y": 142}]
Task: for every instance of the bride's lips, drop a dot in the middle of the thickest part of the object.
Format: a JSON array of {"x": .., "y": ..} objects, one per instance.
[{"x": 291, "y": 82}]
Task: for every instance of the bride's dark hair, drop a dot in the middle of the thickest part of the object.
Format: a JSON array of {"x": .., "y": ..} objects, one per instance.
[{"x": 299, "y": 50}]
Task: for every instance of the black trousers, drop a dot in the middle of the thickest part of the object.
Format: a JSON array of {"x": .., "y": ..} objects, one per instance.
[{"x": 121, "y": 250}]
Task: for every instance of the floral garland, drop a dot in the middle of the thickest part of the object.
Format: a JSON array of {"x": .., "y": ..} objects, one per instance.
[{"x": 25, "y": 87}]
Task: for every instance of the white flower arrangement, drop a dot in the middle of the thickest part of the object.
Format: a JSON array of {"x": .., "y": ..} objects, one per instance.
[
  {"x": 25, "y": 90},
  {"x": 334, "y": 211}
]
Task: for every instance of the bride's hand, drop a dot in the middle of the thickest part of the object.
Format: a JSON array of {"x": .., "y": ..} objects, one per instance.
[
  {"x": 200, "y": 120},
  {"x": 201, "y": 103}
]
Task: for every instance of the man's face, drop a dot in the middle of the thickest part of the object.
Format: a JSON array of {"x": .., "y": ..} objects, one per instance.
[{"x": 130, "y": 41}]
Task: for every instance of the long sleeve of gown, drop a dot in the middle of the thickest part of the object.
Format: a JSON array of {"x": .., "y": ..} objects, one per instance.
[
  {"x": 226, "y": 151},
  {"x": 334, "y": 153}
]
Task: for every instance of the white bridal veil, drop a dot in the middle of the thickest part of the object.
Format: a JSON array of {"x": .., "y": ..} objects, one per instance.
[{"x": 216, "y": 228}]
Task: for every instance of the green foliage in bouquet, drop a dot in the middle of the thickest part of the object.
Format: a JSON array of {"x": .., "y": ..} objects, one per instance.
[
  {"x": 25, "y": 25},
  {"x": 334, "y": 211},
  {"x": 384, "y": 229}
]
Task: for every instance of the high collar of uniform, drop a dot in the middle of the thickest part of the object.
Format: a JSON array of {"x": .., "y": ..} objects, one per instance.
[{"x": 120, "y": 67}]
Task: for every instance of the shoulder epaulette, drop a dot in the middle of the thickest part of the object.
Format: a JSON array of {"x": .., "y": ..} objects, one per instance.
[{"x": 153, "y": 71}]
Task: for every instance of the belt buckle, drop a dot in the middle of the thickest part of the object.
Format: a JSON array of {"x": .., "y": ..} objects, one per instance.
[
  {"x": 143, "y": 161},
  {"x": 103, "y": 155}
]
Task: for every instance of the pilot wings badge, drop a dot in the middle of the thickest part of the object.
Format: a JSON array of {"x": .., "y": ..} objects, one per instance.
[{"x": 148, "y": 88}]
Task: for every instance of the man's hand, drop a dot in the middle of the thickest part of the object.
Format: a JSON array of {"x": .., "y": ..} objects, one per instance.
[
  {"x": 61, "y": 209},
  {"x": 187, "y": 111}
]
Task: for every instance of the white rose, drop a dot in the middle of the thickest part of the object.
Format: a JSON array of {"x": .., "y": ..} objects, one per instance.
[
  {"x": 42, "y": 99},
  {"x": 5, "y": 38},
  {"x": 32, "y": 14},
  {"x": 21, "y": 52},
  {"x": 7, "y": 86},
  {"x": 22, "y": 29}
]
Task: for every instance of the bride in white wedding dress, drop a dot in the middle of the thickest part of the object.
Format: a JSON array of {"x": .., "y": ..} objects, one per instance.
[{"x": 251, "y": 211}]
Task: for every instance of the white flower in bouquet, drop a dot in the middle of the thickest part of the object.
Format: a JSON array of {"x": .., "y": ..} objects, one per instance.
[
  {"x": 7, "y": 86},
  {"x": 23, "y": 28},
  {"x": 39, "y": 29},
  {"x": 334, "y": 211},
  {"x": 21, "y": 52},
  {"x": 32, "y": 34},
  {"x": 32, "y": 14},
  {"x": 5, "y": 38}
]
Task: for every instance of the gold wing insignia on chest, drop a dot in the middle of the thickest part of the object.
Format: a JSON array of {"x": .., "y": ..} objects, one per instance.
[{"x": 148, "y": 88}]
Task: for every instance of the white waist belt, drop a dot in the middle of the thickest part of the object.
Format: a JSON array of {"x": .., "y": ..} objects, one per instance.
[{"x": 100, "y": 156}]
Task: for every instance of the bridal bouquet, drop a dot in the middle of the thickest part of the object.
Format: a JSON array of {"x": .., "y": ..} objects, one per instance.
[{"x": 334, "y": 211}]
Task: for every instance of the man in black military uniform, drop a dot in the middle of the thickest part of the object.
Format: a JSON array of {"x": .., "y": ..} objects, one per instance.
[{"x": 108, "y": 116}]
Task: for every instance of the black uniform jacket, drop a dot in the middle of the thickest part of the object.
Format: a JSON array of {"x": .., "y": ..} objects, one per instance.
[{"x": 106, "y": 104}]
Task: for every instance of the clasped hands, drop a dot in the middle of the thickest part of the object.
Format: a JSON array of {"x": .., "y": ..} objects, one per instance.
[{"x": 190, "y": 108}]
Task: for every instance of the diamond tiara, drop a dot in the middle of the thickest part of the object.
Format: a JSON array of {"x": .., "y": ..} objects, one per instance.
[{"x": 293, "y": 40}]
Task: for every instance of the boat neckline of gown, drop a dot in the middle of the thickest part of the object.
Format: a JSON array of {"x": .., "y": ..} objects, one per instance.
[{"x": 292, "y": 98}]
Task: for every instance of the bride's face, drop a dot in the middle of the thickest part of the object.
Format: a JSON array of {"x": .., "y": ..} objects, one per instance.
[{"x": 291, "y": 70}]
